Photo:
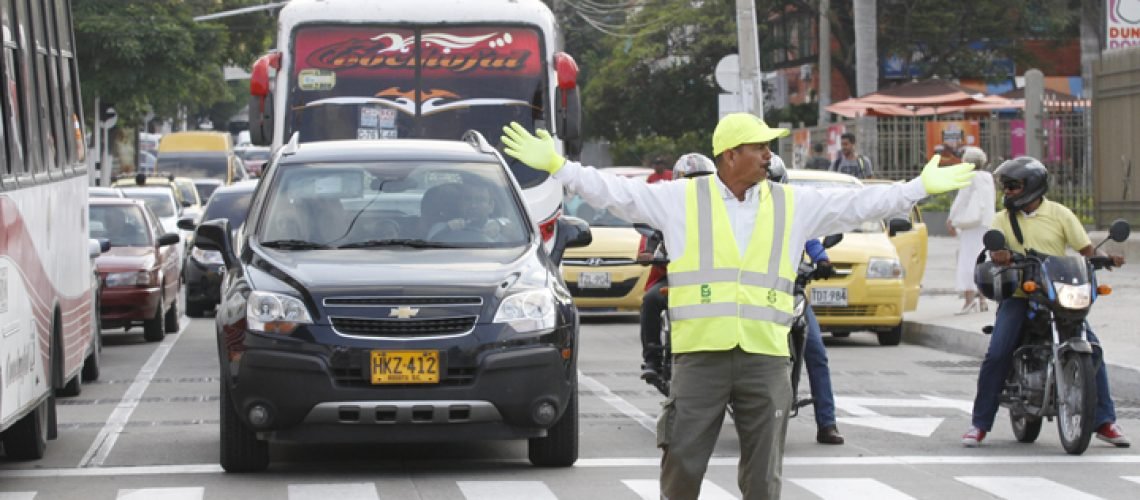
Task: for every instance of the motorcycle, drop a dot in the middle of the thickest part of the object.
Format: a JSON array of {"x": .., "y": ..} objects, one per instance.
[
  {"x": 797, "y": 335},
  {"x": 1053, "y": 372}
]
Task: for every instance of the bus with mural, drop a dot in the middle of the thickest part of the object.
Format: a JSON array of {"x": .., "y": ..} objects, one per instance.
[
  {"x": 49, "y": 341},
  {"x": 432, "y": 69}
]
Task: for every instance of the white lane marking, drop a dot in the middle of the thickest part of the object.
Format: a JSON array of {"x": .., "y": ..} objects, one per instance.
[
  {"x": 650, "y": 489},
  {"x": 914, "y": 426},
  {"x": 617, "y": 462},
  {"x": 851, "y": 489},
  {"x": 1024, "y": 488},
  {"x": 603, "y": 392},
  {"x": 18, "y": 495},
  {"x": 505, "y": 490},
  {"x": 339, "y": 491},
  {"x": 107, "y": 436},
  {"x": 162, "y": 494},
  {"x": 1135, "y": 479}
]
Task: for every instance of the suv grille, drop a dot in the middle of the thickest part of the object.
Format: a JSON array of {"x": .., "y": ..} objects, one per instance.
[
  {"x": 398, "y": 327},
  {"x": 403, "y": 301}
]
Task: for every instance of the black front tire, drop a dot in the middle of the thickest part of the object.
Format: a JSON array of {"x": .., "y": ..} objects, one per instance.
[
  {"x": 27, "y": 438},
  {"x": 560, "y": 446},
  {"x": 1026, "y": 428},
  {"x": 241, "y": 451},
  {"x": 170, "y": 320},
  {"x": 1076, "y": 401},
  {"x": 153, "y": 328},
  {"x": 891, "y": 337}
]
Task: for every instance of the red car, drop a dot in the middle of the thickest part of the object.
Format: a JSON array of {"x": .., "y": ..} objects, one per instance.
[{"x": 139, "y": 275}]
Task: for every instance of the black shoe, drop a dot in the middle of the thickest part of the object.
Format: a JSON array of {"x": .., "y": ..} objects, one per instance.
[
  {"x": 829, "y": 435},
  {"x": 650, "y": 371}
]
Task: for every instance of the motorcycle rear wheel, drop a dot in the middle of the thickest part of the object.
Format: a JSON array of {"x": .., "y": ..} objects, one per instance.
[
  {"x": 1076, "y": 401},
  {"x": 1026, "y": 428}
]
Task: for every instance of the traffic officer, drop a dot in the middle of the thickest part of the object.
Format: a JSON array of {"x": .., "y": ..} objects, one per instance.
[{"x": 734, "y": 240}]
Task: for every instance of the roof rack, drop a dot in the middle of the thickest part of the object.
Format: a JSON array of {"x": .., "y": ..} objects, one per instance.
[{"x": 476, "y": 139}]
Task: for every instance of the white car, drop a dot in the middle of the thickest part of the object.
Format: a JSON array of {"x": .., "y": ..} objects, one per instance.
[{"x": 161, "y": 201}]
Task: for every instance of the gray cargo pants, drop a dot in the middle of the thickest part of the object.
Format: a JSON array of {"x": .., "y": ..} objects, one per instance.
[{"x": 759, "y": 388}]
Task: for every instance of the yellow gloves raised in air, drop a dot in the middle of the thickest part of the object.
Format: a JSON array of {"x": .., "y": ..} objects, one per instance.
[
  {"x": 535, "y": 152},
  {"x": 942, "y": 179}
]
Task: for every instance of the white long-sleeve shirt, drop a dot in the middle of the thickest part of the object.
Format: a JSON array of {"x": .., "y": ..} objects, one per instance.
[{"x": 818, "y": 212}]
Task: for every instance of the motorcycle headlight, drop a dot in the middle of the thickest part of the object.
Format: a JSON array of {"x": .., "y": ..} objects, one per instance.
[
  {"x": 884, "y": 268},
  {"x": 206, "y": 256},
  {"x": 1073, "y": 296},
  {"x": 528, "y": 311},
  {"x": 275, "y": 313},
  {"x": 132, "y": 278}
]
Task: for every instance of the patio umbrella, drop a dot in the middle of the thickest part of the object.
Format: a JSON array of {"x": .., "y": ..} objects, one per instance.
[
  {"x": 934, "y": 92},
  {"x": 853, "y": 108}
]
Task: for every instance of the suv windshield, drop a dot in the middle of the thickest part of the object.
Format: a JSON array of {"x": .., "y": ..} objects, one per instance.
[
  {"x": 229, "y": 205},
  {"x": 194, "y": 165},
  {"x": 385, "y": 204},
  {"x": 428, "y": 82}
]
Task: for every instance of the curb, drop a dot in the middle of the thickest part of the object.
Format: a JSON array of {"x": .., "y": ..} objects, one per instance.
[{"x": 1124, "y": 381}]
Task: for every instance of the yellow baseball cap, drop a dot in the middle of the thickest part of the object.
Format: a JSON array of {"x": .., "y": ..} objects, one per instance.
[{"x": 743, "y": 128}]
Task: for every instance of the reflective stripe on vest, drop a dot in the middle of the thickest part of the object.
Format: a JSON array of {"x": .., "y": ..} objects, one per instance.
[{"x": 718, "y": 300}]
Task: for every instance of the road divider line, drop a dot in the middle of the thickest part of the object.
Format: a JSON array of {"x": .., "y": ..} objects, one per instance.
[
  {"x": 631, "y": 411},
  {"x": 109, "y": 434}
]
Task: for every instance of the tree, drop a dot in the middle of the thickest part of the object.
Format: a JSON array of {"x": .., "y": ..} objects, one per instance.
[{"x": 150, "y": 54}]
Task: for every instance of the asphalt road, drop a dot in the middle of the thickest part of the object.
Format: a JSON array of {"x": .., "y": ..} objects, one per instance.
[{"x": 148, "y": 429}]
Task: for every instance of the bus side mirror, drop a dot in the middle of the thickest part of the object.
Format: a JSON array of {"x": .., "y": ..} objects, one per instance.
[
  {"x": 261, "y": 98},
  {"x": 568, "y": 108}
]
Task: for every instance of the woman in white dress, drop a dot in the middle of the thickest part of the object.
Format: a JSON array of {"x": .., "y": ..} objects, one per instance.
[{"x": 970, "y": 217}]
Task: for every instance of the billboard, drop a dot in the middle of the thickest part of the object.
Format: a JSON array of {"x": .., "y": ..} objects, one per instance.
[{"x": 1123, "y": 24}]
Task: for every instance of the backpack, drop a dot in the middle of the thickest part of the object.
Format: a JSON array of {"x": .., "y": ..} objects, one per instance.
[{"x": 860, "y": 159}]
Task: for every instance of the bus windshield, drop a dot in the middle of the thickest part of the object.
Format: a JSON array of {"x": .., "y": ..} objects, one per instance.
[{"x": 361, "y": 82}]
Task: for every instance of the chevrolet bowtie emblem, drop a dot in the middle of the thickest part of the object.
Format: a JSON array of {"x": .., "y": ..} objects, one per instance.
[{"x": 403, "y": 312}]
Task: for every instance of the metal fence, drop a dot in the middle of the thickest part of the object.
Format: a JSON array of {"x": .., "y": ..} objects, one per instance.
[{"x": 899, "y": 148}]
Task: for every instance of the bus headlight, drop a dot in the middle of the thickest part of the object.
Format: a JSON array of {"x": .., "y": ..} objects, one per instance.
[
  {"x": 1073, "y": 296},
  {"x": 275, "y": 313}
]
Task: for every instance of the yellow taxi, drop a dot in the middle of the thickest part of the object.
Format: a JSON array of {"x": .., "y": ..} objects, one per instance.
[
  {"x": 200, "y": 154},
  {"x": 604, "y": 276},
  {"x": 878, "y": 266},
  {"x": 184, "y": 191}
]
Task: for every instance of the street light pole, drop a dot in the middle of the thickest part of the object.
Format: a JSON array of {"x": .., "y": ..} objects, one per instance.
[
  {"x": 751, "y": 90},
  {"x": 824, "y": 91}
]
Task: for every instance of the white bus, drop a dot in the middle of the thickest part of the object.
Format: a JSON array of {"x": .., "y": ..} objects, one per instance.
[
  {"x": 48, "y": 328},
  {"x": 374, "y": 69}
]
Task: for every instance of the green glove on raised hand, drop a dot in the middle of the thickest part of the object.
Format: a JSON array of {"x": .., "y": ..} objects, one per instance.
[
  {"x": 535, "y": 152},
  {"x": 942, "y": 179}
]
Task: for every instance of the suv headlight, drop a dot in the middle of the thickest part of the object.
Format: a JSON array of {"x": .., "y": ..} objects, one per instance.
[
  {"x": 883, "y": 268},
  {"x": 132, "y": 278},
  {"x": 206, "y": 256},
  {"x": 1073, "y": 296},
  {"x": 528, "y": 311},
  {"x": 275, "y": 313}
]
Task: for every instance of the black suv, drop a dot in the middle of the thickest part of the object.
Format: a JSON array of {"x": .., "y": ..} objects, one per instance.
[{"x": 394, "y": 291}]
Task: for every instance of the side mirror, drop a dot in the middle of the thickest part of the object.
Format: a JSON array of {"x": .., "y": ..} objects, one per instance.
[
  {"x": 187, "y": 224},
  {"x": 168, "y": 239},
  {"x": 1119, "y": 230},
  {"x": 896, "y": 226},
  {"x": 572, "y": 232},
  {"x": 832, "y": 240},
  {"x": 993, "y": 240},
  {"x": 104, "y": 245},
  {"x": 95, "y": 247},
  {"x": 216, "y": 235},
  {"x": 644, "y": 229}
]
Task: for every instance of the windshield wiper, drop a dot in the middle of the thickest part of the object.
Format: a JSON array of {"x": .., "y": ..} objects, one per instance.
[
  {"x": 397, "y": 242},
  {"x": 294, "y": 245}
]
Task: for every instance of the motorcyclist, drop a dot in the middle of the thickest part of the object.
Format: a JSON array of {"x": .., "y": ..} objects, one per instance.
[
  {"x": 654, "y": 302},
  {"x": 1034, "y": 222},
  {"x": 815, "y": 355}
]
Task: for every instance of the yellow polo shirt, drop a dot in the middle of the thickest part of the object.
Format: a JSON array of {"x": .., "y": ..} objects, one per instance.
[{"x": 1049, "y": 230}]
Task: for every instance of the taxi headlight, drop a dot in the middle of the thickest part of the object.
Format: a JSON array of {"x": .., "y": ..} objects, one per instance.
[
  {"x": 884, "y": 268},
  {"x": 1073, "y": 296},
  {"x": 528, "y": 311},
  {"x": 275, "y": 313}
]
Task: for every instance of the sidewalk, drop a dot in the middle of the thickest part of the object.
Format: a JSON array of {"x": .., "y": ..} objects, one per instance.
[{"x": 1114, "y": 318}]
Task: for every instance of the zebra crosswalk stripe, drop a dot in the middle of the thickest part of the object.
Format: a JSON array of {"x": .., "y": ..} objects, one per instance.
[
  {"x": 339, "y": 491},
  {"x": 505, "y": 490},
  {"x": 854, "y": 488},
  {"x": 193, "y": 493},
  {"x": 1025, "y": 488},
  {"x": 650, "y": 489}
]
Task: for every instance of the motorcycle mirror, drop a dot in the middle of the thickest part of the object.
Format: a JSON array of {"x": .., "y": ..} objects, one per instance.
[
  {"x": 994, "y": 240},
  {"x": 832, "y": 240},
  {"x": 1119, "y": 230}
]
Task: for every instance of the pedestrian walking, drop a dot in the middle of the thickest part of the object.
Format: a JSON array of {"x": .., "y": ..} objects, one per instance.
[
  {"x": 971, "y": 215},
  {"x": 851, "y": 162},
  {"x": 733, "y": 239},
  {"x": 818, "y": 160}
]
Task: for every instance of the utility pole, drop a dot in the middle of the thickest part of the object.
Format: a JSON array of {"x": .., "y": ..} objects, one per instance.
[
  {"x": 824, "y": 83},
  {"x": 751, "y": 90}
]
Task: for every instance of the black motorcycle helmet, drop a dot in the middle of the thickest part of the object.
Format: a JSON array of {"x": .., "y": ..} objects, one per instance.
[{"x": 1032, "y": 175}]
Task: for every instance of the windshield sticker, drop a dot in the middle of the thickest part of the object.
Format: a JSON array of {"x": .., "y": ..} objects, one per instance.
[
  {"x": 316, "y": 80},
  {"x": 367, "y": 133}
]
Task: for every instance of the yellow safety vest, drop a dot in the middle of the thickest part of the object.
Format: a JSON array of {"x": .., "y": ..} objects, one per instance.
[{"x": 717, "y": 301}]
